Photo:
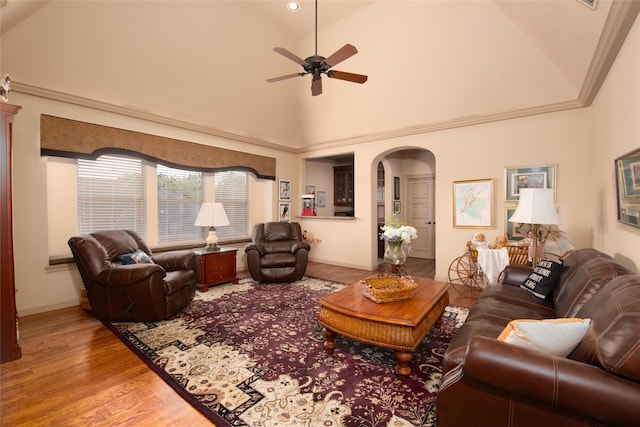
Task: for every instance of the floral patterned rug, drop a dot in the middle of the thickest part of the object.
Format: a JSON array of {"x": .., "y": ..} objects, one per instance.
[{"x": 253, "y": 355}]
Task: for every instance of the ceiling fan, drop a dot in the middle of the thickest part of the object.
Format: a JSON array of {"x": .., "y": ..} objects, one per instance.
[{"x": 317, "y": 65}]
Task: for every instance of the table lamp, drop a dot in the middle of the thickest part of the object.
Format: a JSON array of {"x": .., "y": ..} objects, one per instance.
[
  {"x": 212, "y": 215},
  {"x": 536, "y": 207}
]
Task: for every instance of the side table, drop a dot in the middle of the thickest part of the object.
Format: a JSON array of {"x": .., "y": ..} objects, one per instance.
[{"x": 215, "y": 267}]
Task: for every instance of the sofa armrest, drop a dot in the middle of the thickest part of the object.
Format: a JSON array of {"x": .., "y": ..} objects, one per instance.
[
  {"x": 300, "y": 245},
  {"x": 558, "y": 384},
  {"x": 255, "y": 247},
  {"x": 176, "y": 260},
  {"x": 127, "y": 275},
  {"x": 514, "y": 275}
]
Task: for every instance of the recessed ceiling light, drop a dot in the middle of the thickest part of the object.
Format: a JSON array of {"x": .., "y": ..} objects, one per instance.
[{"x": 293, "y": 6}]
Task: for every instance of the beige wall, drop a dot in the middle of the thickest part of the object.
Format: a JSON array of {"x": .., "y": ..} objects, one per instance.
[
  {"x": 476, "y": 152},
  {"x": 582, "y": 142},
  {"x": 44, "y": 198},
  {"x": 615, "y": 119}
]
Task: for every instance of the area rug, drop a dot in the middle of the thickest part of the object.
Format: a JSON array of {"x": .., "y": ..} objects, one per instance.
[{"x": 253, "y": 355}]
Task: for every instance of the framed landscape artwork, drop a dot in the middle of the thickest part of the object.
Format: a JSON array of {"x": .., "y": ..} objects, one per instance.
[
  {"x": 473, "y": 203},
  {"x": 628, "y": 187},
  {"x": 517, "y": 177}
]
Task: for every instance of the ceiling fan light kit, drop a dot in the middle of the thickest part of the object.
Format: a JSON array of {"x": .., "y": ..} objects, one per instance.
[{"x": 317, "y": 65}]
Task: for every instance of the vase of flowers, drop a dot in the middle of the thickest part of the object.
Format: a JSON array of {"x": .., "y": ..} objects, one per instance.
[{"x": 398, "y": 236}]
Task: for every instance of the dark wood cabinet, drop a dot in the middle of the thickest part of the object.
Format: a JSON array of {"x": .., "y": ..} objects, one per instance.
[
  {"x": 9, "y": 346},
  {"x": 343, "y": 185},
  {"x": 215, "y": 267}
]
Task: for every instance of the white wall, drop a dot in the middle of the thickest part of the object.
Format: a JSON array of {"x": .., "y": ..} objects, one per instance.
[{"x": 615, "y": 119}]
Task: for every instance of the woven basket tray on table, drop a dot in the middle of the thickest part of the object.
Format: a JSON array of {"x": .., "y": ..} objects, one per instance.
[{"x": 388, "y": 288}]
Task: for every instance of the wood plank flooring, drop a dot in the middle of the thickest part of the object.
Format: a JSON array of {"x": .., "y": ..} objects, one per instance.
[{"x": 75, "y": 372}]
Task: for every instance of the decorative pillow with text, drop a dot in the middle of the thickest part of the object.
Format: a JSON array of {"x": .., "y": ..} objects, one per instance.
[{"x": 544, "y": 278}]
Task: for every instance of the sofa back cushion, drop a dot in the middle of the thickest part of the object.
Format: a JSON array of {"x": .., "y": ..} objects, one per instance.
[
  {"x": 613, "y": 341},
  {"x": 582, "y": 282},
  {"x": 120, "y": 242}
]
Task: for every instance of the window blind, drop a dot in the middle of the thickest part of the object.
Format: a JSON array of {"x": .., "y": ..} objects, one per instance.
[
  {"x": 111, "y": 195},
  {"x": 232, "y": 190},
  {"x": 180, "y": 195}
]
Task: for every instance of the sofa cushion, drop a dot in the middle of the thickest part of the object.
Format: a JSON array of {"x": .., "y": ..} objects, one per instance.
[
  {"x": 543, "y": 279},
  {"x": 557, "y": 337},
  {"x": 586, "y": 280},
  {"x": 613, "y": 342}
]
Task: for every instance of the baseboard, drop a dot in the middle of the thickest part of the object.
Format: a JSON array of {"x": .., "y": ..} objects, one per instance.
[{"x": 47, "y": 308}]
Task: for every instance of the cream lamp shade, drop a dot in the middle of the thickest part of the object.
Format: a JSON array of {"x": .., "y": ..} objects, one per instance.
[
  {"x": 536, "y": 207},
  {"x": 212, "y": 215}
]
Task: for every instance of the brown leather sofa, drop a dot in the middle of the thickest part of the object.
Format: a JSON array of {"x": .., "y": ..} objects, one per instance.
[
  {"x": 487, "y": 382},
  {"x": 137, "y": 291},
  {"x": 277, "y": 253}
]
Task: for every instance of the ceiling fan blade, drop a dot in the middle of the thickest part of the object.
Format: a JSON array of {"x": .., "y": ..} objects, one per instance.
[
  {"x": 316, "y": 86},
  {"x": 288, "y": 76},
  {"x": 350, "y": 77},
  {"x": 340, "y": 55},
  {"x": 284, "y": 52}
]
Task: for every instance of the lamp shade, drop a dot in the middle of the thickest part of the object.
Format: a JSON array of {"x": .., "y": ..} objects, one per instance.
[
  {"x": 536, "y": 206},
  {"x": 211, "y": 215}
]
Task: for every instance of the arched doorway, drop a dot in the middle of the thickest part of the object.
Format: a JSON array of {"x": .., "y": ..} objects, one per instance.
[{"x": 409, "y": 186}]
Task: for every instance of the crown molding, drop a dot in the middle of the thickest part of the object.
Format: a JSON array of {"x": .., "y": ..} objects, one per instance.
[
  {"x": 619, "y": 21},
  {"x": 136, "y": 113}
]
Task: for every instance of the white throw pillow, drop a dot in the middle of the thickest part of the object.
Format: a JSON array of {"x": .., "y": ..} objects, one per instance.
[{"x": 557, "y": 337}]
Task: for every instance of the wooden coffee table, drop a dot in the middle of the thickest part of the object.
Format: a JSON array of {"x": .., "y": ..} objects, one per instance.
[{"x": 400, "y": 325}]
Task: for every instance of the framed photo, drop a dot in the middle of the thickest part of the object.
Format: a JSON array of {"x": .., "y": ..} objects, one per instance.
[
  {"x": 473, "y": 203},
  {"x": 284, "y": 189},
  {"x": 628, "y": 188},
  {"x": 396, "y": 188},
  {"x": 517, "y": 177},
  {"x": 284, "y": 212},
  {"x": 321, "y": 199},
  {"x": 396, "y": 206},
  {"x": 310, "y": 189},
  {"x": 513, "y": 230}
]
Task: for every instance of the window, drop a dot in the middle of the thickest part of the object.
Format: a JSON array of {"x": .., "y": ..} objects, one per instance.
[
  {"x": 232, "y": 190},
  {"x": 111, "y": 195},
  {"x": 180, "y": 194}
]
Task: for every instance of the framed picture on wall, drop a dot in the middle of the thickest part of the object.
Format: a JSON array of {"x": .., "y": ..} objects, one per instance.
[
  {"x": 517, "y": 177},
  {"x": 284, "y": 212},
  {"x": 310, "y": 189},
  {"x": 473, "y": 203},
  {"x": 628, "y": 188},
  {"x": 511, "y": 229},
  {"x": 396, "y": 188},
  {"x": 321, "y": 198},
  {"x": 284, "y": 189}
]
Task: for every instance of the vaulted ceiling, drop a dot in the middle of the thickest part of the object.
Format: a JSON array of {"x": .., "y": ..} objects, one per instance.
[{"x": 203, "y": 64}]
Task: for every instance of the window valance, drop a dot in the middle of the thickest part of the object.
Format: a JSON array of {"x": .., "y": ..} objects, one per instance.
[{"x": 73, "y": 139}]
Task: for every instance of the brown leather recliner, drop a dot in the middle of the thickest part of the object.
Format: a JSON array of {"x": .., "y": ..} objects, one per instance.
[
  {"x": 278, "y": 252},
  {"x": 125, "y": 281}
]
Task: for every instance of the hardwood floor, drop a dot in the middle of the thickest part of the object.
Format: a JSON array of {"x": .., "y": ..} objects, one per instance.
[{"x": 75, "y": 372}]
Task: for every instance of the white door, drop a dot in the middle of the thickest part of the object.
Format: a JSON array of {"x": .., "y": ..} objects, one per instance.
[{"x": 420, "y": 213}]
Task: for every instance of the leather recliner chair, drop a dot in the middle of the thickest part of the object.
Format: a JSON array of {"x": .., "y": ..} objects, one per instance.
[
  {"x": 126, "y": 282},
  {"x": 278, "y": 252}
]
